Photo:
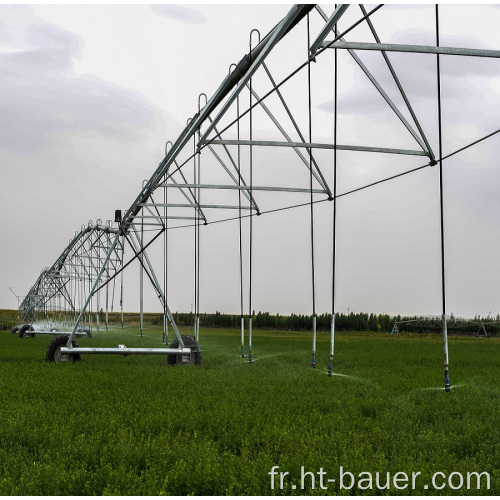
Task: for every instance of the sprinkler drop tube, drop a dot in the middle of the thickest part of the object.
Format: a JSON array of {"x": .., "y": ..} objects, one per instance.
[
  {"x": 314, "y": 342},
  {"x": 446, "y": 359},
  {"x": 242, "y": 337},
  {"x": 250, "y": 339},
  {"x": 332, "y": 343},
  {"x": 166, "y": 328}
]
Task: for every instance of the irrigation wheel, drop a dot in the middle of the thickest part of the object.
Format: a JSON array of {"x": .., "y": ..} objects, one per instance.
[
  {"x": 26, "y": 331},
  {"x": 54, "y": 350},
  {"x": 195, "y": 357},
  {"x": 85, "y": 333},
  {"x": 14, "y": 329}
]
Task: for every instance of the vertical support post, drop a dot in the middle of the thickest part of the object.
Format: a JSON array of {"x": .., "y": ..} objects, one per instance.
[
  {"x": 242, "y": 336},
  {"x": 98, "y": 309},
  {"x": 443, "y": 290},
  {"x": 311, "y": 199},
  {"x": 141, "y": 300},
  {"x": 89, "y": 272},
  {"x": 250, "y": 359},
  {"x": 108, "y": 244},
  {"x": 106, "y": 236},
  {"x": 198, "y": 228},
  {"x": 91, "y": 292},
  {"x": 332, "y": 345},
  {"x": 90, "y": 305},
  {"x": 250, "y": 259},
  {"x": 121, "y": 281},
  {"x": 141, "y": 276},
  {"x": 239, "y": 224},
  {"x": 334, "y": 238},
  {"x": 195, "y": 321},
  {"x": 314, "y": 342},
  {"x": 165, "y": 261},
  {"x": 446, "y": 356},
  {"x": 154, "y": 280},
  {"x": 107, "y": 305}
]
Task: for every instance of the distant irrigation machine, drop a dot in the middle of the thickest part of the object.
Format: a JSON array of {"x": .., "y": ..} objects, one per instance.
[
  {"x": 462, "y": 326},
  {"x": 209, "y": 174}
]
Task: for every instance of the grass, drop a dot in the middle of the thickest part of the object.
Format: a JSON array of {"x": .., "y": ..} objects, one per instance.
[{"x": 135, "y": 426}]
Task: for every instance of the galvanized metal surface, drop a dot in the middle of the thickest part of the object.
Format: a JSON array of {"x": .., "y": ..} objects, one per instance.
[
  {"x": 92, "y": 259},
  {"x": 125, "y": 351},
  {"x": 316, "y": 145},
  {"x": 416, "y": 49}
]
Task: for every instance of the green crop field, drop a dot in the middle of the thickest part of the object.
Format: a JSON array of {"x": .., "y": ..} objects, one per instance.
[{"x": 113, "y": 425}]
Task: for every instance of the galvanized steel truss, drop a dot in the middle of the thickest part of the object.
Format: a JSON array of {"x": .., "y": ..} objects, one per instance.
[{"x": 214, "y": 153}]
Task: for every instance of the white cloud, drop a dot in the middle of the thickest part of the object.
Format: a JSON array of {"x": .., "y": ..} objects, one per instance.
[{"x": 179, "y": 13}]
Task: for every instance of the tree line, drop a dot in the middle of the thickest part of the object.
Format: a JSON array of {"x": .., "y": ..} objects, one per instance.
[{"x": 343, "y": 322}]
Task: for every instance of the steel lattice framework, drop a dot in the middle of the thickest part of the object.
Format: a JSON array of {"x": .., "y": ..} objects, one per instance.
[
  {"x": 209, "y": 174},
  {"x": 61, "y": 290},
  {"x": 435, "y": 324}
]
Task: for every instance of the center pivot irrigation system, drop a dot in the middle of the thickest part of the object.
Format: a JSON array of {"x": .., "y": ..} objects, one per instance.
[{"x": 266, "y": 105}]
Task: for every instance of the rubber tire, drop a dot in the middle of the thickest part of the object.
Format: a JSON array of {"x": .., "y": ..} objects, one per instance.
[
  {"x": 88, "y": 333},
  {"x": 54, "y": 346},
  {"x": 14, "y": 330},
  {"x": 25, "y": 332},
  {"x": 188, "y": 342}
]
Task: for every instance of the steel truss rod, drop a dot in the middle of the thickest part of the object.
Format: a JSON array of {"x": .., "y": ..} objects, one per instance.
[
  {"x": 398, "y": 83},
  {"x": 92, "y": 259},
  {"x": 379, "y": 88},
  {"x": 62, "y": 290},
  {"x": 94, "y": 287},
  {"x": 158, "y": 217},
  {"x": 314, "y": 145},
  {"x": 139, "y": 217},
  {"x": 152, "y": 277},
  {"x": 254, "y": 188},
  {"x": 80, "y": 255},
  {"x": 259, "y": 54},
  {"x": 244, "y": 67},
  {"x": 192, "y": 203},
  {"x": 124, "y": 266},
  {"x": 187, "y": 205},
  {"x": 337, "y": 14},
  {"x": 154, "y": 205},
  {"x": 418, "y": 49},
  {"x": 321, "y": 180},
  {"x": 71, "y": 251},
  {"x": 247, "y": 194},
  {"x": 298, "y": 69}
]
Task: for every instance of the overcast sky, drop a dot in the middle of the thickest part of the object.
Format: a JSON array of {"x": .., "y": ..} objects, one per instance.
[{"x": 90, "y": 94}]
